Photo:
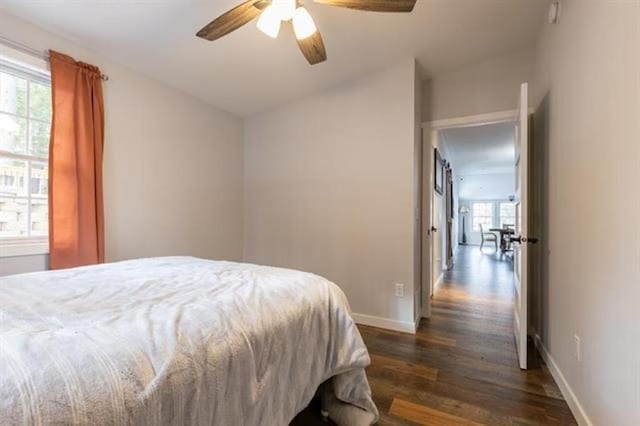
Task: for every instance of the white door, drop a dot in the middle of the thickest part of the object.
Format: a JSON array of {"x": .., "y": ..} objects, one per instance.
[
  {"x": 427, "y": 235},
  {"x": 521, "y": 231},
  {"x": 437, "y": 232}
]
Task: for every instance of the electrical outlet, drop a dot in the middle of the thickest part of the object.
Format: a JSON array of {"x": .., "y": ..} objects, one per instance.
[
  {"x": 578, "y": 348},
  {"x": 399, "y": 290}
]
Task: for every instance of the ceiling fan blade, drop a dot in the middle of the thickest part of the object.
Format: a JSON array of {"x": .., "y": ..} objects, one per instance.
[
  {"x": 230, "y": 21},
  {"x": 313, "y": 49},
  {"x": 373, "y": 5},
  {"x": 261, "y": 4}
]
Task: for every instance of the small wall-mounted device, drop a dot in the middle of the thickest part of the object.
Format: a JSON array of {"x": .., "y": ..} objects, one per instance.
[{"x": 554, "y": 13}]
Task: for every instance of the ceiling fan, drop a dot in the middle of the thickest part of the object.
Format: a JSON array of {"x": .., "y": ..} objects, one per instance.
[{"x": 273, "y": 12}]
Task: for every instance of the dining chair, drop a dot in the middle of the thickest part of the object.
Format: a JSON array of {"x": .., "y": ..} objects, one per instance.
[
  {"x": 511, "y": 229},
  {"x": 488, "y": 236}
]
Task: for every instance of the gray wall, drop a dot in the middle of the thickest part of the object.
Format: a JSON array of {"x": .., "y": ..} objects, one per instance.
[
  {"x": 587, "y": 128},
  {"x": 329, "y": 188},
  {"x": 21, "y": 264},
  {"x": 485, "y": 87}
]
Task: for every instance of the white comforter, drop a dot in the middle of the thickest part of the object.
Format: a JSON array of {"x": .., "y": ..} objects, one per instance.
[{"x": 176, "y": 340}]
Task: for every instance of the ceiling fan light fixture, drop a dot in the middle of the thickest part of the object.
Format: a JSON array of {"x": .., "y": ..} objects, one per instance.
[
  {"x": 271, "y": 14},
  {"x": 286, "y": 8},
  {"x": 269, "y": 21},
  {"x": 303, "y": 24}
]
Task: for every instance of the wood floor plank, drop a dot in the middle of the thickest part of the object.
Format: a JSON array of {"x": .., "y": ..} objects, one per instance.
[
  {"x": 425, "y": 415},
  {"x": 432, "y": 339},
  {"x": 404, "y": 367}
]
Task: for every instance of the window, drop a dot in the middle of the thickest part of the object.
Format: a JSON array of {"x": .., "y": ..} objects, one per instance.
[
  {"x": 507, "y": 214},
  {"x": 482, "y": 215},
  {"x": 25, "y": 123}
]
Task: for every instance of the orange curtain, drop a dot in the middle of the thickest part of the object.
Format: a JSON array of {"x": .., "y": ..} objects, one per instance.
[{"x": 76, "y": 220}]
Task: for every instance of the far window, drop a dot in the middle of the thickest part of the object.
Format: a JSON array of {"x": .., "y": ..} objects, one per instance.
[
  {"x": 507, "y": 214},
  {"x": 482, "y": 215},
  {"x": 25, "y": 122}
]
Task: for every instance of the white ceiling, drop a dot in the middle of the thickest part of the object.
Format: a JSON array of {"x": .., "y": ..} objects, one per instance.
[
  {"x": 246, "y": 71},
  {"x": 482, "y": 158},
  {"x": 497, "y": 186}
]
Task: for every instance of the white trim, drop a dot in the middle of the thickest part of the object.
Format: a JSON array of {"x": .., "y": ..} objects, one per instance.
[
  {"x": 389, "y": 324},
  {"x": 24, "y": 157},
  {"x": 474, "y": 120},
  {"x": 27, "y": 247},
  {"x": 438, "y": 281},
  {"x": 425, "y": 313},
  {"x": 33, "y": 63},
  {"x": 418, "y": 313},
  {"x": 572, "y": 400}
]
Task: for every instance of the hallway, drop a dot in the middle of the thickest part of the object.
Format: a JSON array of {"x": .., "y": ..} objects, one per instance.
[{"x": 461, "y": 366}]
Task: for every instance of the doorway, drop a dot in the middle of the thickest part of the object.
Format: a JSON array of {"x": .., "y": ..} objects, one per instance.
[
  {"x": 474, "y": 154},
  {"x": 471, "y": 169}
]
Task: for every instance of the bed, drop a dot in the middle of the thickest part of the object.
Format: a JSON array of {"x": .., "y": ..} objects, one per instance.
[{"x": 177, "y": 340}]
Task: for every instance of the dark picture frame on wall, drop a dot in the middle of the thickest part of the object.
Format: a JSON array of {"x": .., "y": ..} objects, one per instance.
[{"x": 438, "y": 172}]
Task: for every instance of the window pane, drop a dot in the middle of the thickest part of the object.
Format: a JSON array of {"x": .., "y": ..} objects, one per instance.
[
  {"x": 39, "y": 180},
  {"x": 39, "y": 216},
  {"x": 482, "y": 215},
  {"x": 13, "y": 217},
  {"x": 13, "y": 177},
  {"x": 13, "y": 133},
  {"x": 25, "y": 125},
  {"x": 507, "y": 214},
  {"x": 39, "y": 101},
  {"x": 39, "y": 144},
  {"x": 507, "y": 209},
  {"x": 482, "y": 209},
  {"x": 13, "y": 94}
]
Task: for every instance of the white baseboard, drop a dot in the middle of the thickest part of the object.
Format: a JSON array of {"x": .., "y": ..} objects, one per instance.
[
  {"x": 389, "y": 324},
  {"x": 567, "y": 392}
]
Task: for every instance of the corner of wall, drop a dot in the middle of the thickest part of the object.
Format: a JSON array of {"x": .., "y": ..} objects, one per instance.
[{"x": 572, "y": 400}]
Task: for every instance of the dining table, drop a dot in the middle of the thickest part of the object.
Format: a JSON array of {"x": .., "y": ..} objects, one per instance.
[{"x": 505, "y": 233}]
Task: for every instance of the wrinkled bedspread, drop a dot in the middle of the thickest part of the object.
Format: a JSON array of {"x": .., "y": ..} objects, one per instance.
[{"x": 176, "y": 340}]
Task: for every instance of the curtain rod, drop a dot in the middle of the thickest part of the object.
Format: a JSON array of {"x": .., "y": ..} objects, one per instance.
[{"x": 34, "y": 52}]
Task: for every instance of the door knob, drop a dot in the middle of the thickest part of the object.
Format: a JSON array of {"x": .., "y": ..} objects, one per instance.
[
  {"x": 434, "y": 229},
  {"x": 520, "y": 240}
]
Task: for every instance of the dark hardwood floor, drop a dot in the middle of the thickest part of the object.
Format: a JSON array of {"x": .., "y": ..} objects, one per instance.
[{"x": 461, "y": 366}]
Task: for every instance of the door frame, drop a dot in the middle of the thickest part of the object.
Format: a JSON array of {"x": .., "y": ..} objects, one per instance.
[
  {"x": 448, "y": 217},
  {"x": 426, "y": 210},
  {"x": 425, "y": 206},
  {"x": 521, "y": 249}
]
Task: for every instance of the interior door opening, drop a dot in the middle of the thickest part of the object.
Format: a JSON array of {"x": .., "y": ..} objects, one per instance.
[{"x": 474, "y": 209}]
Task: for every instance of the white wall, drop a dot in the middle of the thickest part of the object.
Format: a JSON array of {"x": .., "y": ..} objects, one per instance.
[
  {"x": 172, "y": 165},
  {"x": 587, "y": 95},
  {"x": 329, "y": 188},
  {"x": 488, "y": 86}
]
